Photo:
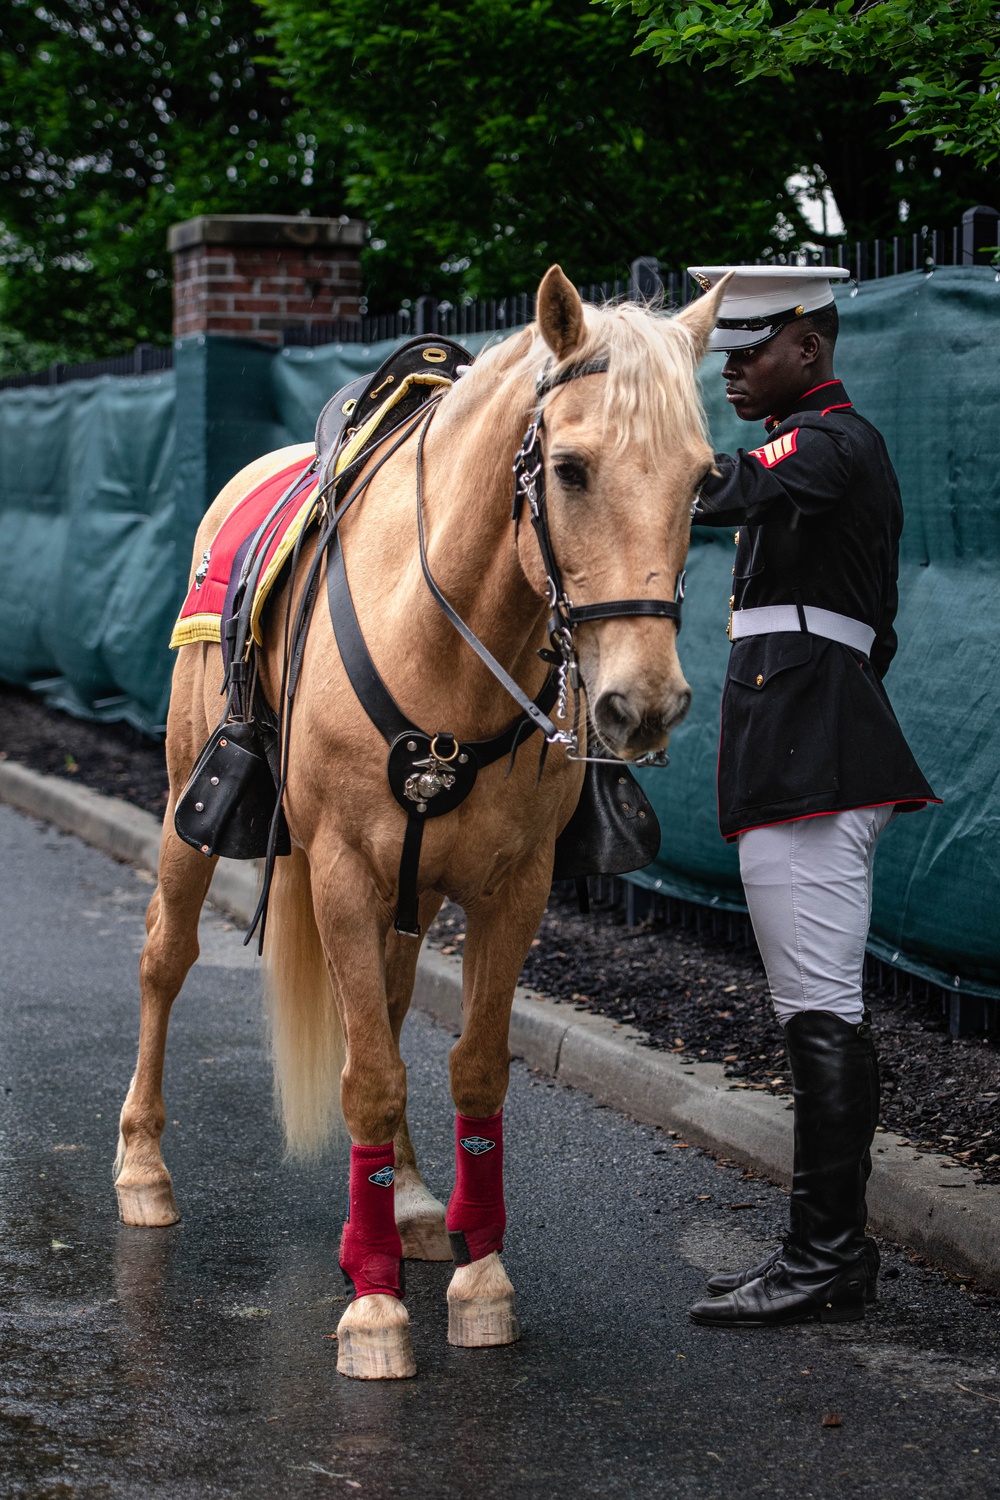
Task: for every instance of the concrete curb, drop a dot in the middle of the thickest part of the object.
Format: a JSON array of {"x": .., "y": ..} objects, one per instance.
[{"x": 925, "y": 1202}]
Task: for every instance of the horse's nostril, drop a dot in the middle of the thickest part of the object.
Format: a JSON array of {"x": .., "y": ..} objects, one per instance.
[{"x": 615, "y": 714}]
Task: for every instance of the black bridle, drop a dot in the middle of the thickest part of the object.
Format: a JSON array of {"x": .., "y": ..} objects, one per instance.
[{"x": 529, "y": 486}]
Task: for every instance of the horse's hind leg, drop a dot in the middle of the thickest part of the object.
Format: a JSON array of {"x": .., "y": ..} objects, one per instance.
[
  {"x": 142, "y": 1182},
  {"x": 419, "y": 1215}
]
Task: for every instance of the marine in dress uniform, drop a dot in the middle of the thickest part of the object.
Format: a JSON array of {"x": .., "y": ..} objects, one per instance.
[{"x": 812, "y": 762}]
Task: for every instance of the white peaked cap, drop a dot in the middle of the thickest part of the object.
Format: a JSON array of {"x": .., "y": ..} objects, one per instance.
[{"x": 760, "y": 300}]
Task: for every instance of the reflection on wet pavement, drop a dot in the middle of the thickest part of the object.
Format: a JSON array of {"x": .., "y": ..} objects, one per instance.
[{"x": 197, "y": 1361}]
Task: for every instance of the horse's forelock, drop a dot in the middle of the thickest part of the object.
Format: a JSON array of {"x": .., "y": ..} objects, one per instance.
[{"x": 651, "y": 396}]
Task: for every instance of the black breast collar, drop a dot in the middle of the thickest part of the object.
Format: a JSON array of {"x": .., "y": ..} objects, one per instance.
[{"x": 429, "y": 774}]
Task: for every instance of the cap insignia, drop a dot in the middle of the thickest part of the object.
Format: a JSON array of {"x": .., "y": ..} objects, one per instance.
[{"x": 703, "y": 281}]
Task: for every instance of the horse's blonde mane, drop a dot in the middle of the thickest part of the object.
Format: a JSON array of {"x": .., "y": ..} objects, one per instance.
[{"x": 651, "y": 397}]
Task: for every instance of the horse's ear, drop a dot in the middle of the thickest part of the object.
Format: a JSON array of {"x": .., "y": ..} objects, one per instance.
[
  {"x": 701, "y": 315},
  {"x": 560, "y": 313}
]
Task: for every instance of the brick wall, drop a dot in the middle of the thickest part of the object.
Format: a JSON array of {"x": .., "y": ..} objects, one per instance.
[{"x": 252, "y": 276}]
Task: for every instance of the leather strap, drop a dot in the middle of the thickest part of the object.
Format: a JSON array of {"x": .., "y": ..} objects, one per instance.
[
  {"x": 372, "y": 693},
  {"x": 407, "y": 919},
  {"x": 538, "y": 718},
  {"x": 580, "y": 614},
  {"x": 547, "y": 382}
]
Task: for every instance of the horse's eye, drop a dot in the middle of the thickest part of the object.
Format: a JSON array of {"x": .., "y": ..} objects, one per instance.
[{"x": 571, "y": 474}]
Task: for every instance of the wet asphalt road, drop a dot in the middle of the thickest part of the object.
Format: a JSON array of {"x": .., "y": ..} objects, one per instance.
[{"x": 196, "y": 1361}]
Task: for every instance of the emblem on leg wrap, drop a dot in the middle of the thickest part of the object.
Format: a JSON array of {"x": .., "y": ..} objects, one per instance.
[
  {"x": 476, "y": 1145},
  {"x": 384, "y": 1177}
]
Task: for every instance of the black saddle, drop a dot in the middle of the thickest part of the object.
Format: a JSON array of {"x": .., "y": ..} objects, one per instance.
[{"x": 398, "y": 388}]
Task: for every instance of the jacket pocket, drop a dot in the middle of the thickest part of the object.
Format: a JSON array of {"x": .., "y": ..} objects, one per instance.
[{"x": 776, "y": 750}]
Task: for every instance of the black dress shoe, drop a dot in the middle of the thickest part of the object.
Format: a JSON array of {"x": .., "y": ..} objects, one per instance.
[
  {"x": 785, "y": 1294},
  {"x": 731, "y": 1281}
]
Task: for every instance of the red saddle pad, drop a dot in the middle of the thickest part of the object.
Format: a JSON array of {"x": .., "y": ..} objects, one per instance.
[{"x": 200, "y": 618}]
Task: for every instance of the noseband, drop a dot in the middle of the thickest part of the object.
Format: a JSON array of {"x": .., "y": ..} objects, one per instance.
[{"x": 529, "y": 485}]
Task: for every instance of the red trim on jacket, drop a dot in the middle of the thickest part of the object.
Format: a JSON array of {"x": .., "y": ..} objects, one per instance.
[
  {"x": 906, "y": 805},
  {"x": 840, "y": 406},
  {"x": 821, "y": 387}
]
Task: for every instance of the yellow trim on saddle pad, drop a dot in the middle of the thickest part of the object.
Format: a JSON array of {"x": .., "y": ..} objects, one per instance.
[
  {"x": 196, "y": 628},
  {"x": 282, "y": 552},
  {"x": 208, "y": 627},
  {"x": 348, "y": 453}
]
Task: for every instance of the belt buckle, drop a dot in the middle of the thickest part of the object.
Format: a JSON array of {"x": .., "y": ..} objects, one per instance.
[{"x": 729, "y": 627}]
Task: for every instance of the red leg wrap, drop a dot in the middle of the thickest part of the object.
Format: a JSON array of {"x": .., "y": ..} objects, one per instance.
[
  {"x": 476, "y": 1213},
  {"x": 370, "y": 1247}
]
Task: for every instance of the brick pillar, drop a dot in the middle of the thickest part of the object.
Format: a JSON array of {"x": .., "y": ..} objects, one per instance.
[{"x": 251, "y": 275}]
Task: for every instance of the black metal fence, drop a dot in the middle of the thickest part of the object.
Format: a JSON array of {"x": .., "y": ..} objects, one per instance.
[
  {"x": 969, "y": 243},
  {"x": 144, "y": 359},
  {"x": 966, "y": 244}
]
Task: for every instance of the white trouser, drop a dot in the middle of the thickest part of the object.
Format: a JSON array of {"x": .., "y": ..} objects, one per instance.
[{"x": 808, "y": 886}]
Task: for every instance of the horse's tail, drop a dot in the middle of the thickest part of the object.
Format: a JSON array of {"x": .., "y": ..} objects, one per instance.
[{"x": 307, "y": 1039}]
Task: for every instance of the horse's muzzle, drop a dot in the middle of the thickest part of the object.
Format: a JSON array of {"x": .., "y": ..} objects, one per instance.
[{"x": 630, "y": 728}]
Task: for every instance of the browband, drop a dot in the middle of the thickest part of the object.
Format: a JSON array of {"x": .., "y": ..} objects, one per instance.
[{"x": 546, "y": 381}]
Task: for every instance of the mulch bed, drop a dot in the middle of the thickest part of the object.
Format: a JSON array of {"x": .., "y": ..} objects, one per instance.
[
  {"x": 698, "y": 998},
  {"x": 111, "y": 758}
]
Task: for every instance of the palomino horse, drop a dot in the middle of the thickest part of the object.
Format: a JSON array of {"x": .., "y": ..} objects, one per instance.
[{"x": 624, "y": 451}]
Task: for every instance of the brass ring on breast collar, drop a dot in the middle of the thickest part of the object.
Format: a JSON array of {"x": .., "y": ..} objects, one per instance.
[{"x": 444, "y": 759}]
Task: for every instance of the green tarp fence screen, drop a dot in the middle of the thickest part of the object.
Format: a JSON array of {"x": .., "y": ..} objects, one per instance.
[
  {"x": 919, "y": 355},
  {"x": 94, "y": 549}
]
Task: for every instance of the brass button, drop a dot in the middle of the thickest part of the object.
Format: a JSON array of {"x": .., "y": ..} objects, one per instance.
[
  {"x": 760, "y": 679},
  {"x": 736, "y": 538}
]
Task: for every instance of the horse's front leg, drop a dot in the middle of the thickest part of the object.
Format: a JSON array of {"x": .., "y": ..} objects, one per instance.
[
  {"x": 498, "y": 934},
  {"x": 373, "y": 1334},
  {"x": 419, "y": 1216}
]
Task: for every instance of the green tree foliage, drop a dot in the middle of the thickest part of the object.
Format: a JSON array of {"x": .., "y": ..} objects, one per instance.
[
  {"x": 483, "y": 140},
  {"x": 118, "y": 118},
  {"x": 939, "y": 59},
  {"x": 480, "y": 138}
]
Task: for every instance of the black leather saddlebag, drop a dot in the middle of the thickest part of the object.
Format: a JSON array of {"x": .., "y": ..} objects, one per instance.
[
  {"x": 227, "y": 806},
  {"x": 613, "y": 830}
]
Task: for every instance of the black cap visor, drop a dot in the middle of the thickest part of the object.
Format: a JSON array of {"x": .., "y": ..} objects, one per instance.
[{"x": 747, "y": 333}]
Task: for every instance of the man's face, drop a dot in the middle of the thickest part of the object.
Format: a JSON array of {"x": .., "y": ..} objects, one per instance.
[{"x": 770, "y": 377}]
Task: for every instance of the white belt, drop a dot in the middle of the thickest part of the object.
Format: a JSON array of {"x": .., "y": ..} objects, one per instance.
[{"x": 825, "y": 622}]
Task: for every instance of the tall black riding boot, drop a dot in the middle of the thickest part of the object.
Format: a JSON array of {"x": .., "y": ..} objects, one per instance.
[{"x": 821, "y": 1271}]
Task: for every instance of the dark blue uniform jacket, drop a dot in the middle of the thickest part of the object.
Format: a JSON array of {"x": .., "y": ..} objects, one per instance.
[{"x": 807, "y": 727}]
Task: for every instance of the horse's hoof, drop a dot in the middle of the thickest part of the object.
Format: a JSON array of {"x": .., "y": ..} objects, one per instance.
[
  {"x": 150, "y": 1205},
  {"x": 424, "y": 1239},
  {"x": 421, "y": 1224},
  {"x": 373, "y": 1340},
  {"x": 481, "y": 1306},
  {"x": 482, "y": 1324}
]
